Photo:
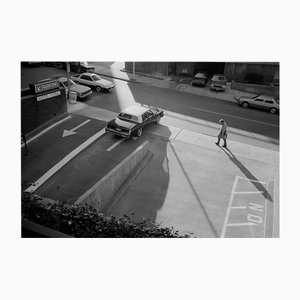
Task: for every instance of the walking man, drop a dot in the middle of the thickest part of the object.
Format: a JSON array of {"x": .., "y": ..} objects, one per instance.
[{"x": 223, "y": 133}]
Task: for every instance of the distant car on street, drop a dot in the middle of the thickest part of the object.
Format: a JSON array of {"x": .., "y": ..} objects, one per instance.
[
  {"x": 200, "y": 79},
  {"x": 260, "y": 101},
  {"x": 75, "y": 66},
  {"x": 131, "y": 121},
  {"x": 81, "y": 90},
  {"x": 218, "y": 82},
  {"x": 93, "y": 80}
]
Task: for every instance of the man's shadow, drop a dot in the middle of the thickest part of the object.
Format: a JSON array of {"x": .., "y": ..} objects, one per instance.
[{"x": 247, "y": 173}]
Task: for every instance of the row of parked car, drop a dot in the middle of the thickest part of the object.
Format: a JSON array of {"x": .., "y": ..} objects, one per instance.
[{"x": 217, "y": 82}]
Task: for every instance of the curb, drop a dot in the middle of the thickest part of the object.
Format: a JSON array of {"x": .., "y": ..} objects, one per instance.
[
  {"x": 101, "y": 193},
  {"x": 230, "y": 95},
  {"x": 128, "y": 181}
]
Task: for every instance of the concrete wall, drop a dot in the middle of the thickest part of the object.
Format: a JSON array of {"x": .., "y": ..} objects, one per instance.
[
  {"x": 151, "y": 68},
  {"x": 238, "y": 71},
  {"x": 36, "y": 113},
  {"x": 102, "y": 192}
]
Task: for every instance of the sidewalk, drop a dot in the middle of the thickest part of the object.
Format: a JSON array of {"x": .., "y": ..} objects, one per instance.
[{"x": 180, "y": 83}]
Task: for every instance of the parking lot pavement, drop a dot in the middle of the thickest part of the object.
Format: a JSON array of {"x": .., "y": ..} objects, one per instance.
[
  {"x": 56, "y": 146},
  {"x": 73, "y": 179}
]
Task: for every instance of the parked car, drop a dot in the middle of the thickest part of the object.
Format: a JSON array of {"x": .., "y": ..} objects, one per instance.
[
  {"x": 93, "y": 80},
  {"x": 81, "y": 90},
  {"x": 200, "y": 79},
  {"x": 131, "y": 121},
  {"x": 218, "y": 82},
  {"x": 260, "y": 101},
  {"x": 75, "y": 66}
]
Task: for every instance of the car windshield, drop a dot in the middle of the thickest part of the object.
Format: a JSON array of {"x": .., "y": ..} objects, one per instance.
[
  {"x": 221, "y": 78},
  {"x": 96, "y": 77},
  {"x": 65, "y": 83},
  {"x": 128, "y": 117},
  {"x": 200, "y": 75}
]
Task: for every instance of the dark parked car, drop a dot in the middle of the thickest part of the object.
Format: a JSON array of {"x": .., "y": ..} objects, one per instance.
[
  {"x": 131, "y": 121},
  {"x": 75, "y": 66},
  {"x": 200, "y": 79}
]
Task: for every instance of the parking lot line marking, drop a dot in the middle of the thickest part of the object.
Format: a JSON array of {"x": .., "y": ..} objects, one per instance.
[
  {"x": 44, "y": 131},
  {"x": 228, "y": 208},
  {"x": 250, "y": 192},
  {"x": 75, "y": 128},
  {"x": 246, "y": 119},
  {"x": 64, "y": 161},
  {"x": 241, "y": 224},
  {"x": 116, "y": 144},
  {"x": 247, "y": 179},
  {"x": 238, "y": 207}
]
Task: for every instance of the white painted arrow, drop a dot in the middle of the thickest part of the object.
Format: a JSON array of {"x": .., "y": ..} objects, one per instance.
[{"x": 72, "y": 131}]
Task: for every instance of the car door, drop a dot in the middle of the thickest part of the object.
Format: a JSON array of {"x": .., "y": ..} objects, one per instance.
[
  {"x": 258, "y": 102},
  {"x": 86, "y": 80},
  {"x": 269, "y": 103},
  {"x": 149, "y": 117}
]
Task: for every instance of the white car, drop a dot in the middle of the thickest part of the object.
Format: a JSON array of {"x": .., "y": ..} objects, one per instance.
[
  {"x": 93, "y": 80},
  {"x": 218, "y": 82},
  {"x": 260, "y": 101},
  {"x": 81, "y": 90}
]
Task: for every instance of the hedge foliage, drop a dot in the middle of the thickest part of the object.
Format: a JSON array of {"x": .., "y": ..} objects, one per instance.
[{"x": 84, "y": 221}]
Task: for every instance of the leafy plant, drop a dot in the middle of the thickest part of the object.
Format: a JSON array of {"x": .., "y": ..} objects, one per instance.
[{"x": 84, "y": 221}]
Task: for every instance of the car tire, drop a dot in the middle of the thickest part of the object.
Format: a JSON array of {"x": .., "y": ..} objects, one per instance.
[
  {"x": 98, "y": 88},
  {"x": 157, "y": 120},
  {"x": 139, "y": 132},
  {"x": 245, "y": 104},
  {"x": 273, "y": 110}
]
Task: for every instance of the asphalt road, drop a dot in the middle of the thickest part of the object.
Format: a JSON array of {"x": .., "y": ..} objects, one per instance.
[{"x": 251, "y": 126}]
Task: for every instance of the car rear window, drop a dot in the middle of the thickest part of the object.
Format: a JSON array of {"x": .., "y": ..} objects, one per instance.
[{"x": 128, "y": 117}]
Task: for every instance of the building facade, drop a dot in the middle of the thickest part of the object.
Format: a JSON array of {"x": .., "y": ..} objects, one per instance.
[{"x": 244, "y": 72}]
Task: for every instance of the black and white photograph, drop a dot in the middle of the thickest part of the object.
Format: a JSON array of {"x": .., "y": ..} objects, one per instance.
[{"x": 149, "y": 150}]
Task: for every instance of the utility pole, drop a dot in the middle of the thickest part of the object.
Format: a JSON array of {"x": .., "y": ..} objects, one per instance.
[
  {"x": 68, "y": 75},
  {"x": 133, "y": 70}
]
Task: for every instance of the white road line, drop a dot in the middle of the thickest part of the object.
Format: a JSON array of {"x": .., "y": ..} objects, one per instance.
[
  {"x": 265, "y": 222},
  {"x": 238, "y": 207},
  {"x": 44, "y": 131},
  {"x": 75, "y": 128},
  {"x": 213, "y": 112},
  {"x": 247, "y": 179},
  {"x": 228, "y": 208},
  {"x": 241, "y": 224},
  {"x": 251, "y": 192},
  {"x": 65, "y": 160},
  {"x": 116, "y": 144}
]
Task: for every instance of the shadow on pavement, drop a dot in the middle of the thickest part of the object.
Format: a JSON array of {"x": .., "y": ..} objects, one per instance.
[
  {"x": 211, "y": 225},
  {"x": 146, "y": 193},
  {"x": 248, "y": 174}
]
